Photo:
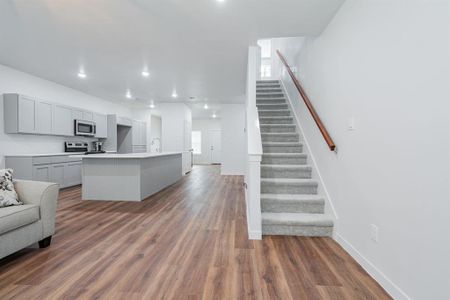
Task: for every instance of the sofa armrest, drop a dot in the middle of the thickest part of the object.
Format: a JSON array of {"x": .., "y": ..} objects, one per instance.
[{"x": 44, "y": 194}]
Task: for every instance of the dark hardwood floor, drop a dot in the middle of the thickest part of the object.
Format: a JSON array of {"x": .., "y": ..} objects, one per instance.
[{"x": 187, "y": 242}]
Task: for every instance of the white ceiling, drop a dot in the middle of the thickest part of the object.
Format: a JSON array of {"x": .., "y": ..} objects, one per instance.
[{"x": 198, "y": 47}]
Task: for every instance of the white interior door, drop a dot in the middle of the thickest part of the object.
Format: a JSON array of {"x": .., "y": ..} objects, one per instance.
[{"x": 215, "y": 138}]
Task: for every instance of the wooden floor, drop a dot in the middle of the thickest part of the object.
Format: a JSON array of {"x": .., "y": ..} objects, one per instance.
[{"x": 187, "y": 242}]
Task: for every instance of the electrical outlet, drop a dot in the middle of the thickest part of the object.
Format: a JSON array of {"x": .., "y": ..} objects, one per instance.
[{"x": 374, "y": 233}]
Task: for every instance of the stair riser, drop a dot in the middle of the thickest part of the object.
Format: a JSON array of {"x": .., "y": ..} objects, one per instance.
[
  {"x": 300, "y": 207},
  {"x": 280, "y": 138},
  {"x": 268, "y": 96},
  {"x": 271, "y": 106},
  {"x": 291, "y": 188},
  {"x": 268, "y": 82},
  {"x": 271, "y": 101},
  {"x": 274, "y": 113},
  {"x": 297, "y": 230},
  {"x": 286, "y": 173},
  {"x": 270, "y": 90},
  {"x": 289, "y": 121},
  {"x": 283, "y": 160},
  {"x": 277, "y": 129},
  {"x": 282, "y": 149},
  {"x": 268, "y": 85}
]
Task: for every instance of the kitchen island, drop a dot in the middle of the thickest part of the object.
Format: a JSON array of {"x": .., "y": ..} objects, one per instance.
[{"x": 128, "y": 177}]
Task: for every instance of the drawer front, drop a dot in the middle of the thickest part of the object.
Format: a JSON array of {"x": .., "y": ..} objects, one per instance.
[
  {"x": 64, "y": 159},
  {"x": 42, "y": 160}
]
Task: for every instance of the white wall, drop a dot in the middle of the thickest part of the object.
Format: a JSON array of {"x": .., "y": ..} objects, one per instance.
[
  {"x": 387, "y": 65},
  {"x": 155, "y": 134},
  {"x": 205, "y": 126},
  {"x": 176, "y": 121},
  {"x": 13, "y": 81},
  {"x": 233, "y": 139}
]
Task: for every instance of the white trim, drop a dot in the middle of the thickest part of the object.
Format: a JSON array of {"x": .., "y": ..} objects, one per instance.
[
  {"x": 254, "y": 235},
  {"x": 327, "y": 195},
  {"x": 390, "y": 287}
]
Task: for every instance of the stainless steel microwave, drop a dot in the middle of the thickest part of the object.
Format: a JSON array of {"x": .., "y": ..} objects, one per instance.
[{"x": 84, "y": 128}]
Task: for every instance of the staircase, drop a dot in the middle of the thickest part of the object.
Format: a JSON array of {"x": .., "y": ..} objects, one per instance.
[{"x": 289, "y": 201}]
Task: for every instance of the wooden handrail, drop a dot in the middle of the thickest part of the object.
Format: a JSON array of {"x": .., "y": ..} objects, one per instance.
[{"x": 308, "y": 103}]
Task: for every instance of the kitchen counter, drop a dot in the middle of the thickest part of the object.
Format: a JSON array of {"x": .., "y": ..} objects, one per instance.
[
  {"x": 128, "y": 177},
  {"x": 39, "y": 154},
  {"x": 126, "y": 155},
  {"x": 51, "y": 154}
]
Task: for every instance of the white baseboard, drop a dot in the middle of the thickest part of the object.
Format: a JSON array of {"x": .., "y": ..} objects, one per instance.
[
  {"x": 390, "y": 287},
  {"x": 254, "y": 235}
]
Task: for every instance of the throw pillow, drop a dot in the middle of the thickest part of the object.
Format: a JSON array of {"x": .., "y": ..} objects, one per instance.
[{"x": 8, "y": 195}]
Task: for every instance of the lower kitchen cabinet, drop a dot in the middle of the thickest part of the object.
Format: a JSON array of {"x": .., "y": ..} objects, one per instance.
[
  {"x": 57, "y": 174},
  {"x": 61, "y": 169},
  {"x": 72, "y": 173},
  {"x": 40, "y": 173}
]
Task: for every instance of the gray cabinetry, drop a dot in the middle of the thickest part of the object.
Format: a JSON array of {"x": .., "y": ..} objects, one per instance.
[
  {"x": 57, "y": 174},
  {"x": 72, "y": 173},
  {"x": 27, "y": 114},
  {"x": 62, "y": 120},
  {"x": 19, "y": 113},
  {"x": 77, "y": 114},
  {"x": 44, "y": 118},
  {"x": 88, "y": 116},
  {"x": 101, "y": 123},
  {"x": 61, "y": 169},
  {"x": 23, "y": 114},
  {"x": 40, "y": 173}
]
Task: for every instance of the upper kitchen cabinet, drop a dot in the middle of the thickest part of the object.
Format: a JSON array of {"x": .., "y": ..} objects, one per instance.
[
  {"x": 19, "y": 113},
  {"x": 62, "y": 120},
  {"x": 77, "y": 114},
  {"x": 101, "y": 123},
  {"x": 23, "y": 114},
  {"x": 88, "y": 116},
  {"x": 44, "y": 120}
]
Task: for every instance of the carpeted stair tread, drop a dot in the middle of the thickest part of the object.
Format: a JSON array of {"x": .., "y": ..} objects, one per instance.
[
  {"x": 293, "y": 198},
  {"x": 291, "y": 166},
  {"x": 301, "y": 181},
  {"x": 286, "y": 144},
  {"x": 300, "y": 155},
  {"x": 296, "y": 219}
]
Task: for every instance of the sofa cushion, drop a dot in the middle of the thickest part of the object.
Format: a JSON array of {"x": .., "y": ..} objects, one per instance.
[
  {"x": 13, "y": 217},
  {"x": 8, "y": 195}
]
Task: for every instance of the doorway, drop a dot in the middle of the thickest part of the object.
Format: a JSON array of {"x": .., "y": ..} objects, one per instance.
[{"x": 215, "y": 138}]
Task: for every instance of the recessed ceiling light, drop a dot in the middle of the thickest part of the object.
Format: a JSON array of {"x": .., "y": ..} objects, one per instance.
[
  {"x": 205, "y": 106},
  {"x": 128, "y": 95},
  {"x": 145, "y": 73},
  {"x": 81, "y": 74},
  {"x": 174, "y": 94},
  {"x": 220, "y": 0},
  {"x": 152, "y": 106},
  {"x": 214, "y": 116}
]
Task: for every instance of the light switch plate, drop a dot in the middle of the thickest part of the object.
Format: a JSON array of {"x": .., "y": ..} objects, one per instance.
[{"x": 351, "y": 124}]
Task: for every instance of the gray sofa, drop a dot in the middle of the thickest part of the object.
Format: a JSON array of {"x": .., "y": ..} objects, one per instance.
[{"x": 24, "y": 225}]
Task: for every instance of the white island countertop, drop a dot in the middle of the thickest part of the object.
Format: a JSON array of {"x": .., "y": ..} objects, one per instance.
[{"x": 127, "y": 155}]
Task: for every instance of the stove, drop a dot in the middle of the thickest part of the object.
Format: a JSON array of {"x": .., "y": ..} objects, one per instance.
[{"x": 75, "y": 147}]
